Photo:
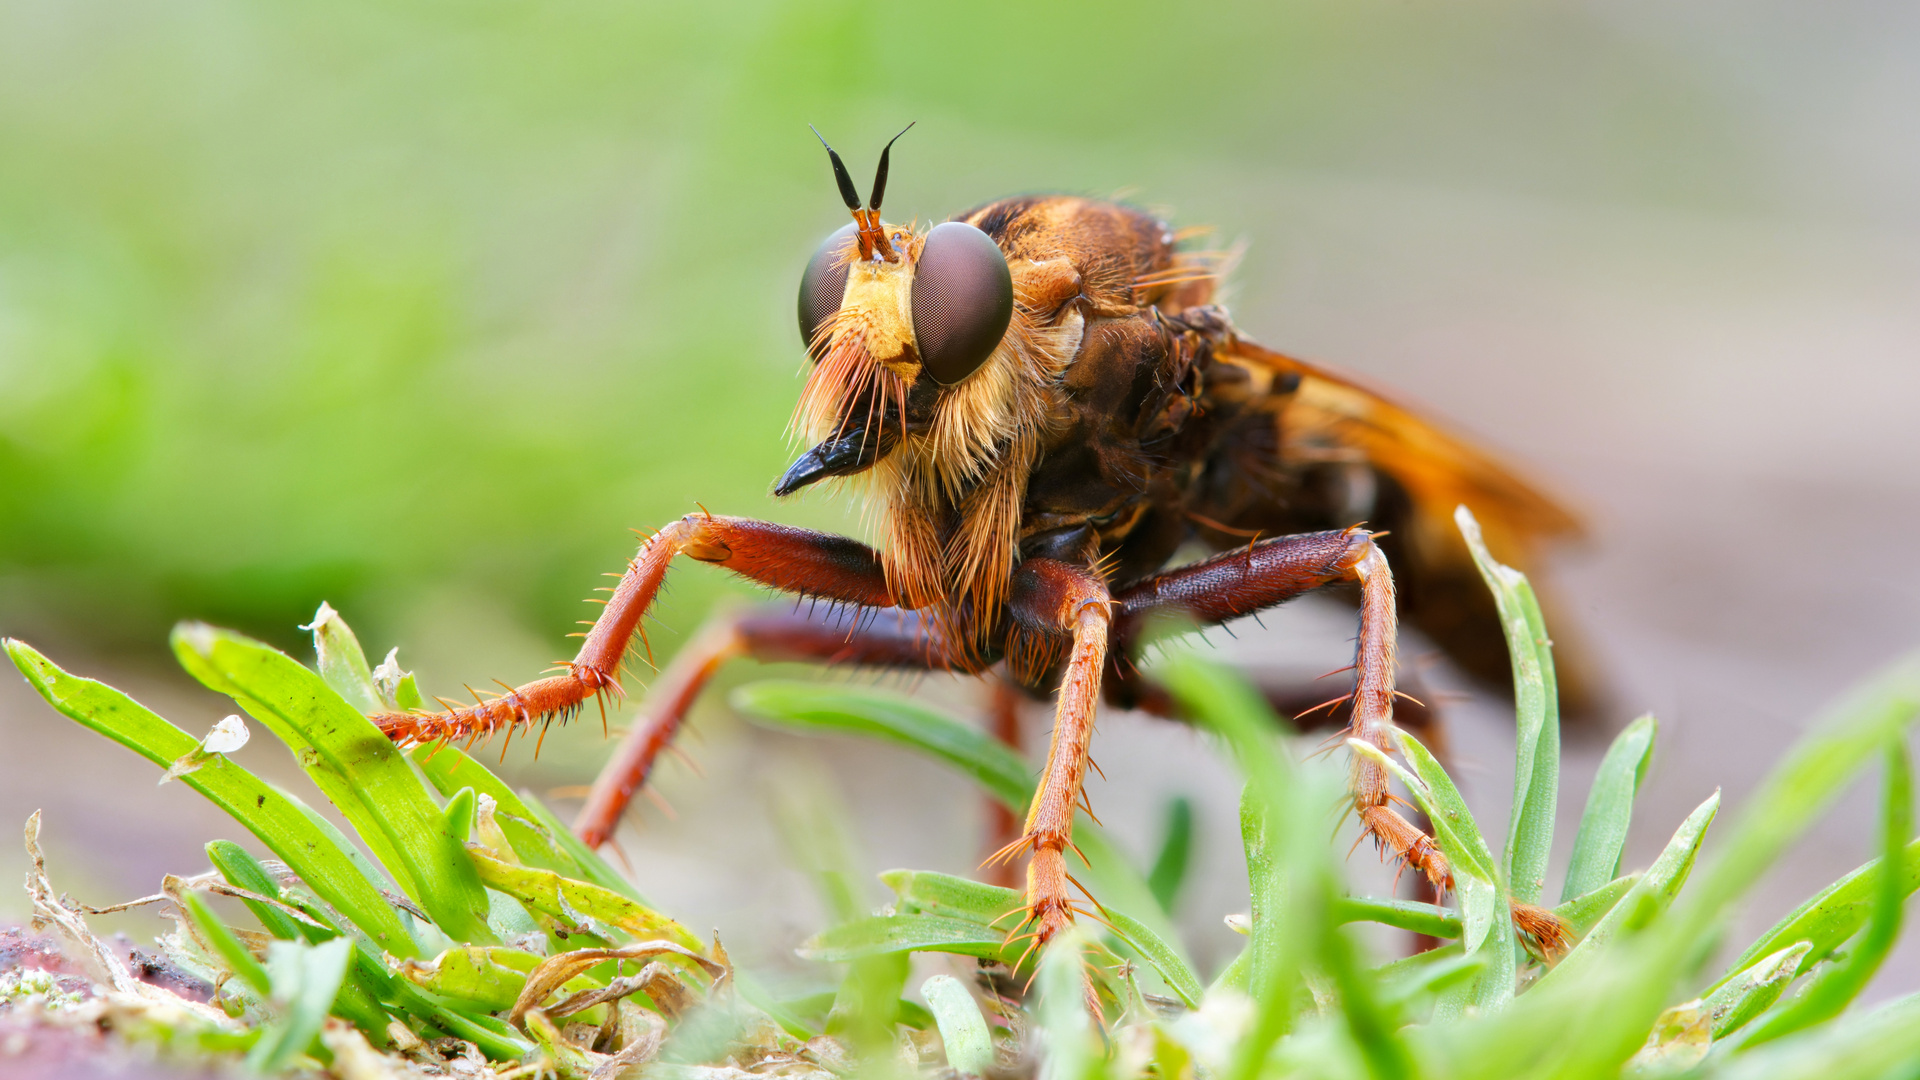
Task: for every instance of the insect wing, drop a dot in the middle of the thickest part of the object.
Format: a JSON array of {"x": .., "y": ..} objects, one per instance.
[{"x": 1332, "y": 409}]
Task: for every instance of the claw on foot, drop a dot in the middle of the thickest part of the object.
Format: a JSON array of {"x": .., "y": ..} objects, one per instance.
[{"x": 1544, "y": 929}]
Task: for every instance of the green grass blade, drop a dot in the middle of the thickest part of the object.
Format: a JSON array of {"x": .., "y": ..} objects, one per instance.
[
  {"x": 1603, "y": 825},
  {"x": 829, "y": 708},
  {"x": 1830, "y": 916},
  {"x": 341, "y": 662},
  {"x": 844, "y": 710},
  {"x": 227, "y": 946},
  {"x": 1429, "y": 919},
  {"x": 1555, "y": 1028},
  {"x": 320, "y": 856},
  {"x": 962, "y": 1028},
  {"x": 1474, "y": 880},
  {"x": 1582, "y": 912},
  {"x": 1833, "y": 989},
  {"x": 242, "y": 870},
  {"x": 570, "y": 900},
  {"x": 878, "y": 935},
  {"x": 534, "y": 840},
  {"x": 1072, "y": 1048},
  {"x": 1155, "y": 951},
  {"x": 1753, "y": 991},
  {"x": 1284, "y": 816},
  {"x": 1536, "y": 767},
  {"x": 929, "y": 893},
  {"x": 487, "y": 977},
  {"x": 365, "y": 775},
  {"x": 1882, "y": 1044},
  {"x": 1652, "y": 893},
  {"x": 1169, "y": 870},
  {"x": 306, "y": 978},
  {"x": 1373, "y": 1025},
  {"x": 994, "y": 909}
]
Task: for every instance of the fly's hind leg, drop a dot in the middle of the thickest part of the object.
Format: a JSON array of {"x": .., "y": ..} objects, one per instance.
[
  {"x": 1261, "y": 575},
  {"x": 772, "y": 633},
  {"x": 1237, "y": 583}
]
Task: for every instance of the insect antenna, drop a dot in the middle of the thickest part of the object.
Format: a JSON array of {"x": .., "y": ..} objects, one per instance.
[
  {"x": 848, "y": 193},
  {"x": 880, "y": 174}
]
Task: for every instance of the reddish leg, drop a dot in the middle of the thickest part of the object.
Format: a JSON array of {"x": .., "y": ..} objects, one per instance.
[
  {"x": 1053, "y": 598},
  {"x": 789, "y": 559},
  {"x": 858, "y": 637},
  {"x": 1238, "y": 583}
]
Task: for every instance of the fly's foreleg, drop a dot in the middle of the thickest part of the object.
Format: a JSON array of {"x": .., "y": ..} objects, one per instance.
[
  {"x": 1053, "y": 598},
  {"x": 789, "y": 559}
]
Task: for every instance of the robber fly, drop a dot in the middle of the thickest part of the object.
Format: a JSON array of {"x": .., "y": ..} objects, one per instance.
[{"x": 1043, "y": 407}]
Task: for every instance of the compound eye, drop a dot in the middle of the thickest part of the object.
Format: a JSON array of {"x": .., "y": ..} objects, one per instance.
[
  {"x": 962, "y": 301},
  {"x": 824, "y": 284}
]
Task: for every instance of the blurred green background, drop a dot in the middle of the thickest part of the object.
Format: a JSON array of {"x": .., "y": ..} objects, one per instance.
[
  {"x": 366, "y": 301},
  {"x": 419, "y": 307}
]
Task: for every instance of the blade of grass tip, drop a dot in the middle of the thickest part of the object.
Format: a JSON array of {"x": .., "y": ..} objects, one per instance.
[
  {"x": 288, "y": 827},
  {"x": 449, "y": 769},
  {"x": 305, "y": 980},
  {"x": 1753, "y": 991},
  {"x": 1536, "y": 775},
  {"x": 1828, "y": 917},
  {"x": 1833, "y": 989},
  {"x": 928, "y": 893},
  {"x": 365, "y": 775},
  {"x": 962, "y": 1028},
  {"x": 1164, "y": 959},
  {"x": 242, "y": 870},
  {"x": 570, "y": 900},
  {"x": 1603, "y": 824},
  {"x": 1176, "y": 851},
  {"x": 216, "y": 933},
  {"x": 341, "y": 662}
]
